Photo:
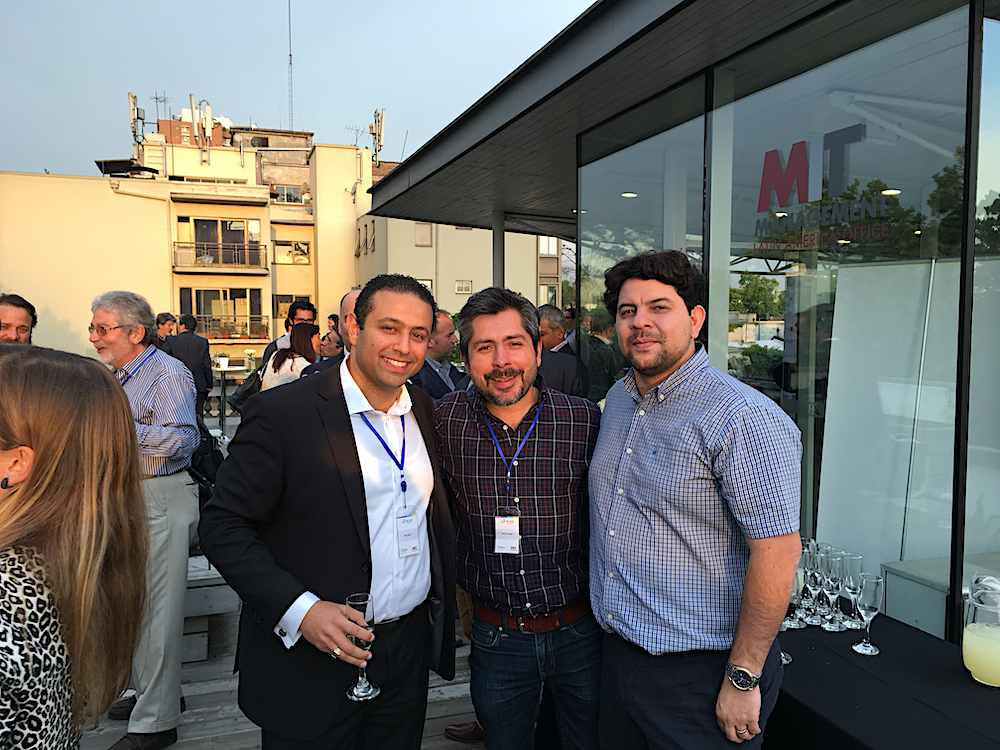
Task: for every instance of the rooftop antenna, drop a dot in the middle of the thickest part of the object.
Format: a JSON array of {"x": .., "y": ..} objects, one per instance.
[
  {"x": 161, "y": 99},
  {"x": 357, "y": 130},
  {"x": 290, "y": 127},
  {"x": 377, "y": 131}
]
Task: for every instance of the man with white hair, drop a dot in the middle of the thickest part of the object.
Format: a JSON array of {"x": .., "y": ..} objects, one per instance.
[{"x": 161, "y": 392}]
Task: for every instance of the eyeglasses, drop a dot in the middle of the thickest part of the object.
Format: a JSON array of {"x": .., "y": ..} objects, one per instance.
[
  {"x": 8, "y": 327},
  {"x": 102, "y": 331}
]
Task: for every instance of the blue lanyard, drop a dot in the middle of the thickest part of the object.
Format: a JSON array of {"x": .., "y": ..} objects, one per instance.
[
  {"x": 130, "y": 374},
  {"x": 398, "y": 461},
  {"x": 510, "y": 466}
]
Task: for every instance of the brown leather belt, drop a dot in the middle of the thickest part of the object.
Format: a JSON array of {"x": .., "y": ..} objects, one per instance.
[{"x": 546, "y": 623}]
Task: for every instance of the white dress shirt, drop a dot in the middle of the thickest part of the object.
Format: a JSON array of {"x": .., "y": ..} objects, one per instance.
[{"x": 399, "y": 584}]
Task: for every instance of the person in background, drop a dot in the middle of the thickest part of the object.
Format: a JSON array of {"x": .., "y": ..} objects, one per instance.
[
  {"x": 438, "y": 376},
  {"x": 287, "y": 365},
  {"x": 164, "y": 328},
  {"x": 17, "y": 319},
  {"x": 192, "y": 350},
  {"x": 300, "y": 311},
  {"x": 161, "y": 394},
  {"x": 331, "y": 322},
  {"x": 347, "y": 303},
  {"x": 570, "y": 313},
  {"x": 73, "y": 545}
]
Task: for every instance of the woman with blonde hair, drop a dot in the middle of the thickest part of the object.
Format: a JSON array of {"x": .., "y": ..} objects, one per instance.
[
  {"x": 73, "y": 545},
  {"x": 287, "y": 365}
]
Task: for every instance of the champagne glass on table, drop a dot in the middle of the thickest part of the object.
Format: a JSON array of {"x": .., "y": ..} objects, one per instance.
[
  {"x": 833, "y": 579},
  {"x": 814, "y": 584},
  {"x": 869, "y": 601},
  {"x": 364, "y": 690},
  {"x": 852, "y": 585}
]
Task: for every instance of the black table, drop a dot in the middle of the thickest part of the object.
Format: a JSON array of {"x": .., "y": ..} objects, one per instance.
[{"x": 915, "y": 694}]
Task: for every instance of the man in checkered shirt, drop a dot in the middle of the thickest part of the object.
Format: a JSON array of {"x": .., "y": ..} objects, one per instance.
[
  {"x": 515, "y": 455},
  {"x": 694, "y": 527}
]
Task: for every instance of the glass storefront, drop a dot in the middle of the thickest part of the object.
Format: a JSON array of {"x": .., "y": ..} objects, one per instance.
[{"x": 817, "y": 180}]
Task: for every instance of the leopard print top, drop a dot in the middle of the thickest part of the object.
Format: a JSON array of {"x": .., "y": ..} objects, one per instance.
[{"x": 36, "y": 686}]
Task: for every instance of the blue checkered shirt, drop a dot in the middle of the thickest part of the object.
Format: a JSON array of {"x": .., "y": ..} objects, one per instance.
[{"x": 680, "y": 479}]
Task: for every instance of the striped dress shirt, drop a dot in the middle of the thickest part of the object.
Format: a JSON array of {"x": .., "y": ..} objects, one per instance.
[
  {"x": 548, "y": 486},
  {"x": 161, "y": 392},
  {"x": 681, "y": 478}
]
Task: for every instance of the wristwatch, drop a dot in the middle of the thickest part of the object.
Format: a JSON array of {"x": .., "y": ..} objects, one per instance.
[{"x": 741, "y": 677}]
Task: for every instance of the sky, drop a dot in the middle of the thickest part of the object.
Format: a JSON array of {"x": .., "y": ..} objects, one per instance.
[{"x": 67, "y": 68}]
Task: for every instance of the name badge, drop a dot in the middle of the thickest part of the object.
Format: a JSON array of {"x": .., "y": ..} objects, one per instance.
[
  {"x": 407, "y": 535},
  {"x": 508, "y": 534}
]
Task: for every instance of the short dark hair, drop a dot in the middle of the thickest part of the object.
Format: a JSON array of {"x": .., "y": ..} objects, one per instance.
[
  {"x": 493, "y": 301},
  {"x": 331, "y": 316},
  {"x": 164, "y": 317},
  {"x": 570, "y": 312},
  {"x": 669, "y": 267},
  {"x": 16, "y": 300},
  {"x": 393, "y": 282},
  {"x": 299, "y": 304},
  {"x": 189, "y": 321}
]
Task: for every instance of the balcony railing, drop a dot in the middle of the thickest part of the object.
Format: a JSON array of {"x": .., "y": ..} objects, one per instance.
[
  {"x": 234, "y": 326},
  {"x": 224, "y": 255}
]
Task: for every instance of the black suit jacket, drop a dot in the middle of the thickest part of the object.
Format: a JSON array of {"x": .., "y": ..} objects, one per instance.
[
  {"x": 288, "y": 515},
  {"x": 431, "y": 382},
  {"x": 192, "y": 350},
  {"x": 317, "y": 367},
  {"x": 564, "y": 373}
]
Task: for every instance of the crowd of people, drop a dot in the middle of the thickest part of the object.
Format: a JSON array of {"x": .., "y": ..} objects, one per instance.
[{"x": 621, "y": 574}]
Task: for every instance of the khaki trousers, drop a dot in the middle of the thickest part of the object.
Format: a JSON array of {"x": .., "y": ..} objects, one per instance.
[{"x": 172, "y": 503}]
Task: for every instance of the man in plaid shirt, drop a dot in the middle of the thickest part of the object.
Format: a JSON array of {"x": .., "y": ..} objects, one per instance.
[{"x": 515, "y": 456}]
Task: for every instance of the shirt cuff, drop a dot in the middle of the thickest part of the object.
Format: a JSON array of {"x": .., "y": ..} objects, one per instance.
[{"x": 287, "y": 628}]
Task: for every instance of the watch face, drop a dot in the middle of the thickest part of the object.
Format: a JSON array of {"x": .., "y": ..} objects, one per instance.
[{"x": 742, "y": 679}]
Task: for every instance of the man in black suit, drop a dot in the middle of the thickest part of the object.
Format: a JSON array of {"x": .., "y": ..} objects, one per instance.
[
  {"x": 552, "y": 327},
  {"x": 333, "y": 487},
  {"x": 346, "y": 309},
  {"x": 192, "y": 350},
  {"x": 164, "y": 330},
  {"x": 438, "y": 376}
]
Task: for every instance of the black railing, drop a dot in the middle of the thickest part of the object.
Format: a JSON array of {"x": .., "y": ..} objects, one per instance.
[
  {"x": 256, "y": 327},
  {"x": 219, "y": 255}
]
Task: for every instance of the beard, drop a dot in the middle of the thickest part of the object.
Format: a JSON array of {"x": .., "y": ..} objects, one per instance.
[
  {"x": 663, "y": 360},
  {"x": 509, "y": 397}
]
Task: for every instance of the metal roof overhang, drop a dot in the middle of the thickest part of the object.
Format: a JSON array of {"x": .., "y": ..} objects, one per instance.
[{"x": 515, "y": 149}]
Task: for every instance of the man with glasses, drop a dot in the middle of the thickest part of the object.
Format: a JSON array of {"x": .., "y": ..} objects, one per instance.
[
  {"x": 161, "y": 392},
  {"x": 300, "y": 311},
  {"x": 17, "y": 319}
]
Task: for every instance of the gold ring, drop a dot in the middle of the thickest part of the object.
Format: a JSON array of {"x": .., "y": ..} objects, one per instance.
[{"x": 336, "y": 653}]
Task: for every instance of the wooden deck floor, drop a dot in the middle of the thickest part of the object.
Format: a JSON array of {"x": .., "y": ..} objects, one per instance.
[{"x": 213, "y": 721}]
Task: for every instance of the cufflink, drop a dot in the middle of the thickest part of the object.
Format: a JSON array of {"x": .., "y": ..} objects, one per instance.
[{"x": 281, "y": 632}]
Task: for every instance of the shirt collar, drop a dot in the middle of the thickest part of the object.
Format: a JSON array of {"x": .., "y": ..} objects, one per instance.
[
  {"x": 132, "y": 366},
  {"x": 697, "y": 362},
  {"x": 438, "y": 367},
  {"x": 357, "y": 402}
]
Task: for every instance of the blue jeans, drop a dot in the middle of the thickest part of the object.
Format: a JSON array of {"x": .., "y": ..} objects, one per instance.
[{"x": 508, "y": 669}]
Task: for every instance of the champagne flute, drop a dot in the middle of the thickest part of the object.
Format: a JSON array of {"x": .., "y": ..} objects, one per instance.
[
  {"x": 853, "y": 568},
  {"x": 833, "y": 578},
  {"x": 364, "y": 690},
  {"x": 813, "y": 585},
  {"x": 869, "y": 601},
  {"x": 822, "y": 564},
  {"x": 793, "y": 618}
]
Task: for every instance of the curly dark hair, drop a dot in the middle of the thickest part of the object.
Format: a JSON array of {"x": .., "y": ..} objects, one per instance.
[
  {"x": 393, "y": 282},
  {"x": 670, "y": 267}
]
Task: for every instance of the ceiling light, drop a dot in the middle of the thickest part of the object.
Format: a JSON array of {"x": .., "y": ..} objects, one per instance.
[
  {"x": 916, "y": 231},
  {"x": 891, "y": 191},
  {"x": 630, "y": 195},
  {"x": 844, "y": 242},
  {"x": 780, "y": 214}
]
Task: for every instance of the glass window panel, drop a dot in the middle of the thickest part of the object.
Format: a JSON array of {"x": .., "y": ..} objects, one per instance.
[
  {"x": 837, "y": 194},
  {"x": 982, "y": 503},
  {"x": 233, "y": 232}
]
